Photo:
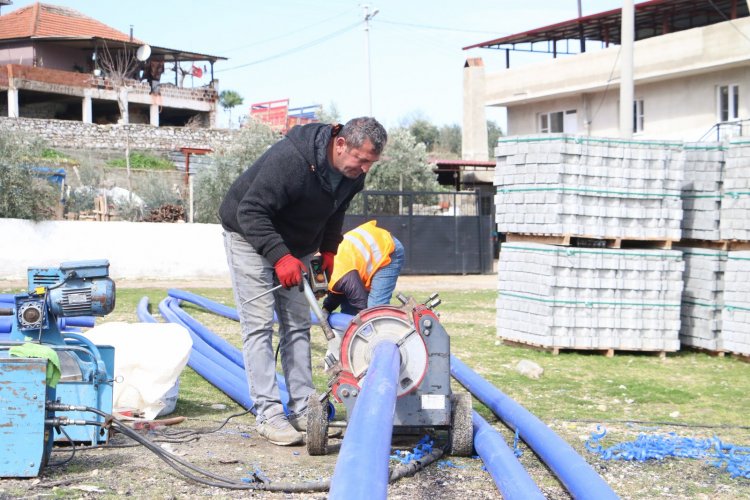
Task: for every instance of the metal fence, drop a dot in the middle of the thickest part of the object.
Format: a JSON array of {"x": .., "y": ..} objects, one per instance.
[{"x": 442, "y": 232}]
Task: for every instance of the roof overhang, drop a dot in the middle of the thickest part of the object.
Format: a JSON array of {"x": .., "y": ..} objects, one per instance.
[
  {"x": 90, "y": 43},
  {"x": 652, "y": 18}
]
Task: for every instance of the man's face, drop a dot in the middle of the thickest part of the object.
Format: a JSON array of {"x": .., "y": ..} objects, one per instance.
[{"x": 353, "y": 162}]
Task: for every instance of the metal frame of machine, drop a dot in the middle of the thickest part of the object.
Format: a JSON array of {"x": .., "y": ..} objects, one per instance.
[
  {"x": 425, "y": 399},
  {"x": 28, "y": 423}
]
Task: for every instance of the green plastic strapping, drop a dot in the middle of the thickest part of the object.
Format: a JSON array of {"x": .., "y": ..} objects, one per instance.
[
  {"x": 600, "y": 251},
  {"x": 583, "y": 140},
  {"x": 587, "y": 303},
  {"x": 588, "y": 191},
  {"x": 730, "y": 307}
]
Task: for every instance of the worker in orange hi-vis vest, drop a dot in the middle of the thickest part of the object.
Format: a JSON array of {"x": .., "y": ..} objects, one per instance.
[{"x": 365, "y": 269}]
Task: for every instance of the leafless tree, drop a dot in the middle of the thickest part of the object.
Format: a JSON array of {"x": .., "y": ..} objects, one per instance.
[{"x": 120, "y": 67}]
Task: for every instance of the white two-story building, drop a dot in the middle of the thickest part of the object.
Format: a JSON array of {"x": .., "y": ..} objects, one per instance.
[{"x": 691, "y": 76}]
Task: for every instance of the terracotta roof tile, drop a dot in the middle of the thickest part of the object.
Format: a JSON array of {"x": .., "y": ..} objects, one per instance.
[{"x": 43, "y": 20}]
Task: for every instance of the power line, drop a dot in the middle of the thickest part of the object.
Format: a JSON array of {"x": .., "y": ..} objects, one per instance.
[
  {"x": 294, "y": 49},
  {"x": 441, "y": 28},
  {"x": 294, "y": 32}
]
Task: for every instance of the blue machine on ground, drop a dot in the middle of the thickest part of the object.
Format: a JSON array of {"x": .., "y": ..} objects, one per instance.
[{"x": 43, "y": 368}]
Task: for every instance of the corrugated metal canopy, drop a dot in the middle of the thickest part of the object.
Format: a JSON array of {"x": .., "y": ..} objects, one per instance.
[{"x": 652, "y": 18}]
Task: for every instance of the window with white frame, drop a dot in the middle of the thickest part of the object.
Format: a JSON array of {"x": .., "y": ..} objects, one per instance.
[
  {"x": 638, "y": 116},
  {"x": 728, "y": 102},
  {"x": 558, "y": 121}
]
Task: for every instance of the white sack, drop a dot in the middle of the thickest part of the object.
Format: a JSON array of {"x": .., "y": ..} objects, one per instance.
[{"x": 149, "y": 358}]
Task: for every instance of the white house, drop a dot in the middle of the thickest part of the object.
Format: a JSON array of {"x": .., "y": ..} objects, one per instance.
[{"x": 691, "y": 76}]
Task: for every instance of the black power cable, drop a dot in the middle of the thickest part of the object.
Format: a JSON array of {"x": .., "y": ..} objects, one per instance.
[{"x": 184, "y": 467}]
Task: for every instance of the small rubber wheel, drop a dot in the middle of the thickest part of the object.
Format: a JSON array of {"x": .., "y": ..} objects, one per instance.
[
  {"x": 317, "y": 426},
  {"x": 462, "y": 428}
]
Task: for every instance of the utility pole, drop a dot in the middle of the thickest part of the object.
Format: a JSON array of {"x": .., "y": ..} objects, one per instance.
[{"x": 368, "y": 15}]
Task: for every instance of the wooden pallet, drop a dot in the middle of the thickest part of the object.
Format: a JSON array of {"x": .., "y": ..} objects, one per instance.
[
  {"x": 584, "y": 241},
  {"x": 555, "y": 351},
  {"x": 726, "y": 245},
  {"x": 711, "y": 352}
]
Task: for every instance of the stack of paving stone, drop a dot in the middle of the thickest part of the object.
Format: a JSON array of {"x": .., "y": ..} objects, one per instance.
[
  {"x": 736, "y": 314},
  {"x": 585, "y": 298},
  {"x": 703, "y": 298},
  {"x": 701, "y": 191},
  {"x": 735, "y": 202},
  {"x": 591, "y": 187}
]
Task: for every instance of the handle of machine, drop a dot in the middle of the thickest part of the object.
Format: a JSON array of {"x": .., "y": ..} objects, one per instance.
[{"x": 310, "y": 296}]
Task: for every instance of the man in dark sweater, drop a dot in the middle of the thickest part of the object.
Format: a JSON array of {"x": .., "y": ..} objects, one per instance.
[{"x": 288, "y": 205}]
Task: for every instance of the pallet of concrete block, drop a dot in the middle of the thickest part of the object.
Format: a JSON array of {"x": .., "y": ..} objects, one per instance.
[
  {"x": 735, "y": 201},
  {"x": 735, "y": 321},
  {"x": 701, "y": 190},
  {"x": 702, "y": 298},
  {"x": 589, "y": 187},
  {"x": 586, "y": 298}
]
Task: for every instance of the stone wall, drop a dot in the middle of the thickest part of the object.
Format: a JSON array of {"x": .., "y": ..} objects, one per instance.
[{"x": 76, "y": 135}]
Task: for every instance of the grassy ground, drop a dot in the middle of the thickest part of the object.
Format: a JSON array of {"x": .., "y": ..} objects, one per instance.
[
  {"x": 689, "y": 393},
  {"x": 685, "y": 388}
]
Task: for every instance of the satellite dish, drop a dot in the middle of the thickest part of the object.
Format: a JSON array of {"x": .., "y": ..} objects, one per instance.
[{"x": 143, "y": 52}]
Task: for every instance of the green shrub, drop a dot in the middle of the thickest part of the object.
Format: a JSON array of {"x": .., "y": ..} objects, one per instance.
[
  {"x": 24, "y": 195},
  {"x": 142, "y": 161}
]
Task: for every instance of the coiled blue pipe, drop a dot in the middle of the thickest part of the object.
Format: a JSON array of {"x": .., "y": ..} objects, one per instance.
[
  {"x": 219, "y": 344},
  {"x": 206, "y": 367},
  {"x": 573, "y": 471},
  {"x": 226, "y": 377},
  {"x": 222, "y": 347},
  {"x": 366, "y": 448},
  {"x": 215, "y": 307},
  {"x": 511, "y": 478},
  {"x": 143, "y": 313}
]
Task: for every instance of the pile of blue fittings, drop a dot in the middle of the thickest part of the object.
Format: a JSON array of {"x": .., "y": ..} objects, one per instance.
[{"x": 734, "y": 459}]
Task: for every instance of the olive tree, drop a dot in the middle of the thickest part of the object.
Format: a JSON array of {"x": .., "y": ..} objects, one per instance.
[
  {"x": 23, "y": 195},
  {"x": 212, "y": 183}
]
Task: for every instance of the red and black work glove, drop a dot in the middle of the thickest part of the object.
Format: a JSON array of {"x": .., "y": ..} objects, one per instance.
[
  {"x": 327, "y": 262},
  {"x": 289, "y": 270}
]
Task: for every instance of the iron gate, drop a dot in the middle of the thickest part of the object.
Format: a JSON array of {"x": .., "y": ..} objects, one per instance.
[{"x": 442, "y": 232}]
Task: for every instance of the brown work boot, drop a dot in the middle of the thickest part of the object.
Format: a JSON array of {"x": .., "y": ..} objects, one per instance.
[{"x": 279, "y": 432}]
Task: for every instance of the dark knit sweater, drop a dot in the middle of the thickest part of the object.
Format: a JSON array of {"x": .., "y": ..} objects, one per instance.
[{"x": 283, "y": 202}]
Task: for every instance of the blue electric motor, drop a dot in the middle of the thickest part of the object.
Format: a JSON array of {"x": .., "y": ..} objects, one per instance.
[{"x": 81, "y": 288}]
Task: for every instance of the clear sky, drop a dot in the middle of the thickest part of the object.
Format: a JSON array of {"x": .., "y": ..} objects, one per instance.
[{"x": 313, "y": 52}]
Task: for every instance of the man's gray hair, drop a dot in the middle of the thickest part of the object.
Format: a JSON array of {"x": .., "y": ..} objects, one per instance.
[{"x": 358, "y": 130}]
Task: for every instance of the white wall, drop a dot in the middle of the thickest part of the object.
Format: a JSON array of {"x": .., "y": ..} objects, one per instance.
[{"x": 135, "y": 250}]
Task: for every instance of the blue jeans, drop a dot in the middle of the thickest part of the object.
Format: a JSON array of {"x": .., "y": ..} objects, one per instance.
[
  {"x": 251, "y": 275},
  {"x": 384, "y": 280}
]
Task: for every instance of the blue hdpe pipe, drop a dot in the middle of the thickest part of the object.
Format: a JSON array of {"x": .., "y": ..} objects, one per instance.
[
  {"x": 219, "y": 344},
  {"x": 143, "y": 313},
  {"x": 208, "y": 364},
  {"x": 573, "y": 471},
  {"x": 6, "y": 322},
  {"x": 511, "y": 479},
  {"x": 337, "y": 321},
  {"x": 367, "y": 444},
  {"x": 222, "y": 347},
  {"x": 214, "y": 307}
]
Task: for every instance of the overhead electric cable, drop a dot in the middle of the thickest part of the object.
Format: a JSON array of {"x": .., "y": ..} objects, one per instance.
[
  {"x": 294, "y": 32},
  {"x": 441, "y": 28},
  {"x": 294, "y": 49}
]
